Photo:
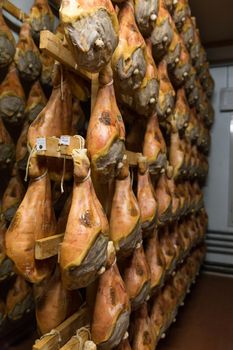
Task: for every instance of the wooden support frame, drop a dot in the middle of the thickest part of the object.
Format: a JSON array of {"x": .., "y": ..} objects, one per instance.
[
  {"x": 63, "y": 333},
  {"x": 14, "y": 10},
  {"x": 51, "y": 44}
]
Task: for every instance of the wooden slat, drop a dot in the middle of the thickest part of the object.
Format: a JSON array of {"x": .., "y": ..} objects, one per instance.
[
  {"x": 14, "y": 10},
  {"x": 65, "y": 330},
  {"x": 54, "y": 149},
  {"x": 54, "y": 47},
  {"x": 74, "y": 342},
  {"x": 47, "y": 247}
]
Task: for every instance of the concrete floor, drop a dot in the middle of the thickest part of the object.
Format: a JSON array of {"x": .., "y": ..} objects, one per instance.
[{"x": 205, "y": 322}]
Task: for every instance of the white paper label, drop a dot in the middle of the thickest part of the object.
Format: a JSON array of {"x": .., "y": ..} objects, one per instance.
[
  {"x": 41, "y": 144},
  {"x": 65, "y": 140}
]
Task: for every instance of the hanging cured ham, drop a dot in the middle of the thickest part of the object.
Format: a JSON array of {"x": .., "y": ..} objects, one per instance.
[
  {"x": 125, "y": 226},
  {"x": 12, "y": 98},
  {"x": 146, "y": 198},
  {"x": 19, "y": 299},
  {"x": 7, "y": 147},
  {"x": 156, "y": 261},
  {"x": 181, "y": 114},
  {"x": 35, "y": 103},
  {"x": 33, "y": 220},
  {"x": 180, "y": 73},
  {"x": 162, "y": 34},
  {"x": 82, "y": 17},
  {"x": 146, "y": 13},
  {"x": 174, "y": 49},
  {"x": 47, "y": 63},
  {"x": 136, "y": 276},
  {"x": 6, "y": 268},
  {"x": 128, "y": 61},
  {"x": 177, "y": 155},
  {"x": 154, "y": 146},
  {"x": 54, "y": 303},
  {"x": 157, "y": 314},
  {"x": 7, "y": 43},
  {"x": 27, "y": 56},
  {"x": 181, "y": 12},
  {"x": 12, "y": 196},
  {"x": 142, "y": 330},
  {"x": 21, "y": 148},
  {"x": 112, "y": 310},
  {"x": 164, "y": 199},
  {"x": 143, "y": 99},
  {"x": 84, "y": 248},
  {"x": 40, "y": 18},
  {"x": 187, "y": 32},
  {"x": 106, "y": 132},
  {"x": 166, "y": 99},
  {"x": 54, "y": 120}
]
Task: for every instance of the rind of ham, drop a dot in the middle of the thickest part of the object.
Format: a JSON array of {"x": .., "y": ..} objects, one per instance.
[
  {"x": 47, "y": 68},
  {"x": 166, "y": 101},
  {"x": 142, "y": 330},
  {"x": 143, "y": 99},
  {"x": 181, "y": 12},
  {"x": 54, "y": 303},
  {"x": 155, "y": 261},
  {"x": 112, "y": 309},
  {"x": 106, "y": 131},
  {"x": 84, "y": 248},
  {"x": 146, "y": 198},
  {"x": 162, "y": 34},
  {"x": 33, "y": 220},
  {"x": 136, "y": 277},
  {"x": 7, "y": 147},
  {"x": 13, "y": 195},
  {"x": 12, "y": 98},
  {"x": 125, "y": 225},
  {"x": 146, "y": 13},
  {"x": 27, "y": 55},
  {"x": 41, "y": 18},
  {"x": 124, "y": 345},
  {"x": 164, "y": 198},
  {"x": 36, "y": 102},
  {"x": 91, "y": 29},
  {"x": 7, "y": 43},
  {"x": 154, "y": 146},
  {"x": 19, "y": 299},
  {"x": 128, "y": 61},
  {"x": 181, "y": 114},
  {"x": 21, "y": 148}
]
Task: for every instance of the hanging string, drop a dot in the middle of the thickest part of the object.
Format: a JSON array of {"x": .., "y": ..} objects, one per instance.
[
  {"x": 62, "y": 91},
  {"x": 79, "y": 337},
  {"x": 28, "y": 163},
  {"x": 63, "y": 175}
]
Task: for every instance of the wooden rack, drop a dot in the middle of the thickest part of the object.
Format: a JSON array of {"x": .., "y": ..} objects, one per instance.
[
  {"x": 14, "y": 10},
  {"x": 63, "y": 333}
]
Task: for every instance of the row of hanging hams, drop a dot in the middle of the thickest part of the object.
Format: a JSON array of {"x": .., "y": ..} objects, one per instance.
[{"x": 135, "y": 233}]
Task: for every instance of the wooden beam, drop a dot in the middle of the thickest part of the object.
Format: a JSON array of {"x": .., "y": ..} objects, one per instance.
[
  {"x": 62, "y": 334},
  {"x": 54, "y": 47},
  {"x": 47, "y": 247},
  {"x": 14, "y": 10}
]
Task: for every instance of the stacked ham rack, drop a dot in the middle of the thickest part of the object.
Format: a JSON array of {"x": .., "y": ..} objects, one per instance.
[{"x": 111, "y": 269}]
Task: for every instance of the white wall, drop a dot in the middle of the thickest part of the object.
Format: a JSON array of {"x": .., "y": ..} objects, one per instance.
[{"x": 216, "y": 191}]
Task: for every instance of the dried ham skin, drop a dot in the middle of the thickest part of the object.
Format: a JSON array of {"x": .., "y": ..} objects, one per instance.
[{"x": 7, "y": 43}]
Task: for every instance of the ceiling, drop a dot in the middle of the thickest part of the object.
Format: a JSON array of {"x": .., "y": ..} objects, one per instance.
[{"x": 215, "y": 21}]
